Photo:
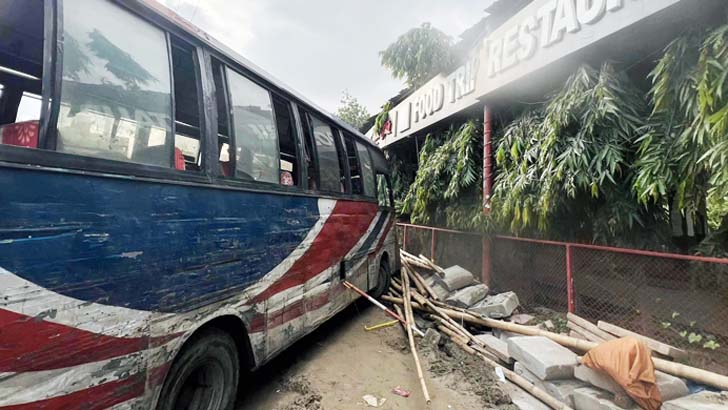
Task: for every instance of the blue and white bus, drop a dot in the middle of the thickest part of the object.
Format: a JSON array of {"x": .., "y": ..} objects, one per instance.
[{"x": 170, "y": 216}]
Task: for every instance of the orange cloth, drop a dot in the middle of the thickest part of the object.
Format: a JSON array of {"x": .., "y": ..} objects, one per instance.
[{"x": 629, "y": 362}]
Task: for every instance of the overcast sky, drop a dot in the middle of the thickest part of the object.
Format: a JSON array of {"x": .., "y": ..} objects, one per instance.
[{"x": 323, "y": 47}]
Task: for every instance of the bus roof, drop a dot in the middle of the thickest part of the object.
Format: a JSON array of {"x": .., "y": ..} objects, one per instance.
[{"x": 153, "y": 6}]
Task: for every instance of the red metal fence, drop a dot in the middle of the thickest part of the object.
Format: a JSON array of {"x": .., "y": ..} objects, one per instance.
[{"x": 680, "y": 299}]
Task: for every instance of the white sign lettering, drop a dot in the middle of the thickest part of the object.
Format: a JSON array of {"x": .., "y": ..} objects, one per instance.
[{"x": 547, "y": 26}]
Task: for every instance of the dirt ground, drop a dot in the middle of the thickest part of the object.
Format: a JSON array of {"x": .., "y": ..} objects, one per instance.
[{"x": 337, "y": 365}]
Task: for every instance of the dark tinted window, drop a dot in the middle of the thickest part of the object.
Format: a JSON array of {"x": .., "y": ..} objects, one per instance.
[
  {"x": 186, "y": 109},
  {"x": 287, "y": 139},
  {"x": 357, "y": 187},
  {"x": 21, "y": 59},
  {"x": 329, "y": 167},
  {"x": 224, "y": 145}
]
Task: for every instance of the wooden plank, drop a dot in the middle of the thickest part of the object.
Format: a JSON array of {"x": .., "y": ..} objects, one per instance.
[
  {"x": 585, "y": 333},
  {"x": 653, "y": 344},
  {"x": 585, "y": 324}
]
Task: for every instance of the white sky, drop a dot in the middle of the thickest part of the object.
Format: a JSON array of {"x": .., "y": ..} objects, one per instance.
[{"x": 323, "y": 47}]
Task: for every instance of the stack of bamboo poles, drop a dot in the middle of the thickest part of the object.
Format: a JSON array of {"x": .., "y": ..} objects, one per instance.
[{"x": 449, "y": 319}]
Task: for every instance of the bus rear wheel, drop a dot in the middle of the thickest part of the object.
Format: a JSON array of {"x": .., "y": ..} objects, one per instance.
[
  {"x": 383, "y": 279},
  {"x": 204, "y": 376}
]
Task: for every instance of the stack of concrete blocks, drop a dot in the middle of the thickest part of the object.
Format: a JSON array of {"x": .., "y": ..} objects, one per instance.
[
  {"x": 458, "y": 287},
  {"x": 546, "y": 364},
  {"x": 555, "y": 369}
]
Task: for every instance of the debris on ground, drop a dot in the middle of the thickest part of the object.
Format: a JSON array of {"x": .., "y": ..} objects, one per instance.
[
  {"x": 401, "y": 392},
  {"x": 483, "y": 334},
  {"x": 373, "y": 401},
  {"x": 308, "y": 398}
]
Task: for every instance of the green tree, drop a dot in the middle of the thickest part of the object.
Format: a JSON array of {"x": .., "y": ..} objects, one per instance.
[
  {"x": 418, "y": 55},
  {"x": 352, "y": 112}
]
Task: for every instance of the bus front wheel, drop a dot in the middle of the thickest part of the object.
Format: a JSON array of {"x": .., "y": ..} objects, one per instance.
[
  {"x": 204, "y": 376},
  {"x": 384, "y": 276}
]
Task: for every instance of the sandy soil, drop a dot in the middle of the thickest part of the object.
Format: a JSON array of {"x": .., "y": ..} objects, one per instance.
[{"x": 337, "y": 365}]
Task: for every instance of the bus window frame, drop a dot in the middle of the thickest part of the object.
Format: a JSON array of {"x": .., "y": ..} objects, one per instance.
[{"x": 46, "y": 158}]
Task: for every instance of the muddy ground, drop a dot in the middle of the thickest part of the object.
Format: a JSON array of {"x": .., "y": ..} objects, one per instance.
[{"x": 337, "y": 365}]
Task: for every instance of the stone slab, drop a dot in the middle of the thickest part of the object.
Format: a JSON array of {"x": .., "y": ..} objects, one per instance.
[
  {"x": 497, "y": 306},
  {"x": 543, "y": 357},
  {"x": 437, "y": 285},
  {"x": 456, "y": 277},
  {"x": 598, "y": 379},
  {"x": 671, "y": 387},
  {"x": 467, "y": 296},
  {"x": 699, "y": 401},
  {"x": 562, "y": 390},
  {"x": 589, "y": 398},
  {"x": 496, "y": 345},
  {"x": 504, "y": 335}
]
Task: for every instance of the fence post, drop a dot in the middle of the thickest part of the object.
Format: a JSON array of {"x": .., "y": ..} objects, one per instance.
[
  {"x": 486, "y": 261},
  {"x": 433, "y": 244},
  {"x": 570, "y": 281},
  {"x": 404, "y": 239}
]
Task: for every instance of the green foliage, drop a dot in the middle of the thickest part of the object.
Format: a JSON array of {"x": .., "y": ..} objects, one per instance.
[
  {"x": 352, "y": 112},
  {"x": 382, "y": 118},
  {"x": 446, "y": 188},
  {"x": 683, "y": 152},
  {"x": 418, "y": 55},
  {"x": 572, "y": 157}
]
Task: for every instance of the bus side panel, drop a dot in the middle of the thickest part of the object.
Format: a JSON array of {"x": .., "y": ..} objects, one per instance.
[{"x": 102, "y": 277}]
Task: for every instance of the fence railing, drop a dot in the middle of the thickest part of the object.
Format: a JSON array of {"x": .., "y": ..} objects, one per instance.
[{"x": 681, "y": 299}]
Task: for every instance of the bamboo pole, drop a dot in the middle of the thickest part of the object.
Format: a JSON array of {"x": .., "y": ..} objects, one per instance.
[
  {"x": 409, "y": 315},
  {"x": 676, "y": 369},
  {"x": 428, "y": 289},
  {"x": 510, "y": 375}
]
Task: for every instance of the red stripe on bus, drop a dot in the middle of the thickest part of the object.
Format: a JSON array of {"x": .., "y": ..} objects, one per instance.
[
  {"x": 343, "y": 229},
  {"x": 295, "y": 310},
  {"x": 29, "y": 344},
  {"x": 95, "y": 398}
]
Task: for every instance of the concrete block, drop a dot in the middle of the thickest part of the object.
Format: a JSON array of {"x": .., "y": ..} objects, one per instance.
[
  {"x": 589, "y": 398},
  {"x": 456, "y": 278},
  {"x": 563, "y": 390},
  {"x": 437, "y": 285},
  {"x": 496, "y": 345},
  {"x": 597, "y": 379},
  {"x": 543, "y": 357},
  {"x": 497, "y": 306},
  {"x": 671, "y": 387},
  {"x": 467, "y": 296},
  {"x": 521, "y": 370},
  {"x": 504, "y": 335},
  {"x": 699, "y": 401}
]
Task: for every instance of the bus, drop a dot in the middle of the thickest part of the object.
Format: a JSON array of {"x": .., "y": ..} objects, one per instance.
[{"x": 171, "y": 216}]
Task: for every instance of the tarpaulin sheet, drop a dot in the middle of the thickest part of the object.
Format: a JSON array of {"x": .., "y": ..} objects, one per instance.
[{"x": 629, "y": 362}]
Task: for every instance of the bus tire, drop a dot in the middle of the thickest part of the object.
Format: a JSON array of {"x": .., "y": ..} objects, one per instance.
[
  {"x": 383, "y": 279},
  {"x": 205, "y": 374}
]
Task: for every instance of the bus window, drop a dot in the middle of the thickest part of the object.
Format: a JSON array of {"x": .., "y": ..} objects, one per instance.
[
  {"x": 354, "y": 171},
  {"x": 367, "y": 171},
  {"x": 187, "y": 145},
  {"x": 21, "y": 69},
  {"x": 328, "y": 156},
  {"x": 223, "y": 119},
  {"x": 384, "y": 193},
  {"x": 309, "y": 151},
  {"x": 116, "y": 96},
  {"x": 287, "y": 140},
  {"x": 256, "y": 143}
]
